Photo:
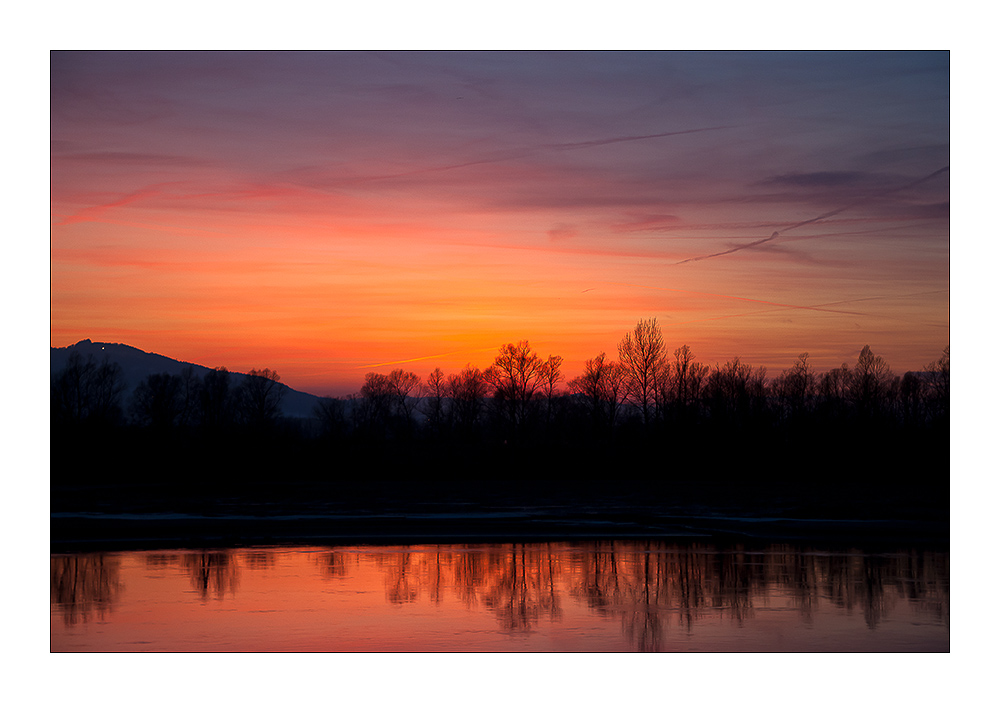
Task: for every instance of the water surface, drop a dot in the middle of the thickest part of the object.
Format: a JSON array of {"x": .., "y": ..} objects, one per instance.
[{"x": 593, "y": 597}]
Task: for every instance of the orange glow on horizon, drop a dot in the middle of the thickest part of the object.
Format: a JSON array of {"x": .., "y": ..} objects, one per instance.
[{"x": 282, "y": 215}]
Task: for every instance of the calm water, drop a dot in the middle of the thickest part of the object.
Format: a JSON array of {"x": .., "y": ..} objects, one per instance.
[{"x": 599, "y": 596}]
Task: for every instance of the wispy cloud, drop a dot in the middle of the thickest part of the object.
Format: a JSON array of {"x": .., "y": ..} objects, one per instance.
[
  {"x": 130, "y": 159},
  {"x": 561, "y": 232},
  {"x": 97, "y": 212},
  {"x": 821, "y": 179}
]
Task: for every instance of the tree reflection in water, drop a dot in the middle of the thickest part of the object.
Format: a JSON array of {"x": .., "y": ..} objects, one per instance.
[
  {"x": 516, "y": 582},
  {"x": 652, "y": 586},
  {"x": 649, "y": 587},
  {"x": 83, "y": 584},
  {"x": 519, "y": 586},
  {"x": 334, "y": 564},
  {"x": 212, "y": 572}
]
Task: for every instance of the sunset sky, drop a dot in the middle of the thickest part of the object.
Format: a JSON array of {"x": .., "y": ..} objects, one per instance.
[{"x": 331, "y": 214}]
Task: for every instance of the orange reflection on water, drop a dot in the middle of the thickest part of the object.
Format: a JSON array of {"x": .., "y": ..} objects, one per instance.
[{"x": 609, "y": 596}]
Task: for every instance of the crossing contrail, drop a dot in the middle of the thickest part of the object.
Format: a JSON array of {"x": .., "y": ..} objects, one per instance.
[
  {"x": 730, "y": 251},
  {"x": 825, "y": 215}
]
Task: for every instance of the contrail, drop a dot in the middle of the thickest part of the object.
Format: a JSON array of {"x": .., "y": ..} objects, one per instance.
[
  {"x": 730, "y": 251},
  {"x": 824, "y": 216},
  {"x": 884, "y": 297},
  {"x": 818, "y": 308},
  {"x": 615, "y": 140},
  {"x": 864, "y": 200},
  {"x": 528, "y": 151}
]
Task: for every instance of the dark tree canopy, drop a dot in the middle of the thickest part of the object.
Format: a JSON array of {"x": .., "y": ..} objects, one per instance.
[{"x": 679, "y": 414}]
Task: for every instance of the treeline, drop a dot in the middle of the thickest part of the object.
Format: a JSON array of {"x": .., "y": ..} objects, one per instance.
[
  {"x": 645, "y": 412},
  {"x": 90, "y": 395}
]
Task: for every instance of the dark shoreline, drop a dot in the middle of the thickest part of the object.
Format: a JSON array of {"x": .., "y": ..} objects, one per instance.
[{"x": 161, "y": 516}]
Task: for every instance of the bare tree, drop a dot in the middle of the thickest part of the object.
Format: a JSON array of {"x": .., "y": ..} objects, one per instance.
[
  {"x": 468, "y": 390},
  {"x": 913, "y": 398},
  {"x": 157, "y": 401},
  {"x": 687, "y": 377},
  {"x": 836, "y": 383},
  {"x": 403, "y": 384},
  {"x": 641, "y": 355},
  {"x": 834, "y": 391},
  {"x": 938, "y": 376},
  {"x": 871, "y": 383},
  {"x": 551, "y": 375},
  {"x": 85, "y": 391},
  {"x": 602, "y": 386},
  {"x": 516, "y": 373},
  {"x": 216, "y": 402},
  {"x": 796, "y": 386},
  {"x": 437, "y": 391},
  {"x": 375, "y": 407},
  {"x": 615, "y": 382},
  {"x": 736, "y": 390},
  {"x": 260, "y": 397},
  {"x": 329, "y": 412},
  {"x": 188, "y": 394},
  {"x": 108, "y": 386}
]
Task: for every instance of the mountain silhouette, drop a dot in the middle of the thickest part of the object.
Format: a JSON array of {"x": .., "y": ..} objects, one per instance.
[{"x": 137, "y": 364}]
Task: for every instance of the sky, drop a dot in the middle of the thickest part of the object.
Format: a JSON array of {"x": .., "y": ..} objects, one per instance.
[{"x": 330, "y": 214}]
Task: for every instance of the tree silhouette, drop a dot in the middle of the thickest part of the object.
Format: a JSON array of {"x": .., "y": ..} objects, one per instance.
[
  {"x": 216, "y": 402},
  {"x": 860, "y": 410},
  {"x": 157, "y": 401},
  {"x": 871, "y": 384},
  {"x": 468, "y": 390},
  {"x": 912, "y": 399},
  {"x": 403, "y": 384},
  {"x": 516, "y": 373},
  {"x": 260, "y": 398},
  {"x": 687, "y": 378},
  {"x": 375, "y": 408},
  {"x": 938, "y": 374},
  {"x": 641, "y": 355},
  {"x": 87, "y": 392},
  {"x": 551, "y": 376},
  {"x": 437, "y": 392},
  {"x": 189, "y": 394},
  {"x": 736, "y": 390},
  {"x": 329, "y": 412},
  {"x": 796, "y": 386},
  {"x": 834, "y": 391},
  {"x": 602, "y": 388}
]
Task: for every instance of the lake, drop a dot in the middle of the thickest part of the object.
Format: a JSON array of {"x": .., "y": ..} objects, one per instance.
[{"x": 598, "y": 596}]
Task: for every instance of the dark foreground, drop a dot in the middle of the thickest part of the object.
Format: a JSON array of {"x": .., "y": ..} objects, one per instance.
[{"x": 162, "y": 515}]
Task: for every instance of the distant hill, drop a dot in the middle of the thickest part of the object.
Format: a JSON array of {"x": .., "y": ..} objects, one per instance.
[{"x": 138, "y": 364}]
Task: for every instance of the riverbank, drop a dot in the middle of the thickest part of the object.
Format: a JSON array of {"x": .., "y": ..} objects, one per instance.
[{"x": 138, "y": 516}]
